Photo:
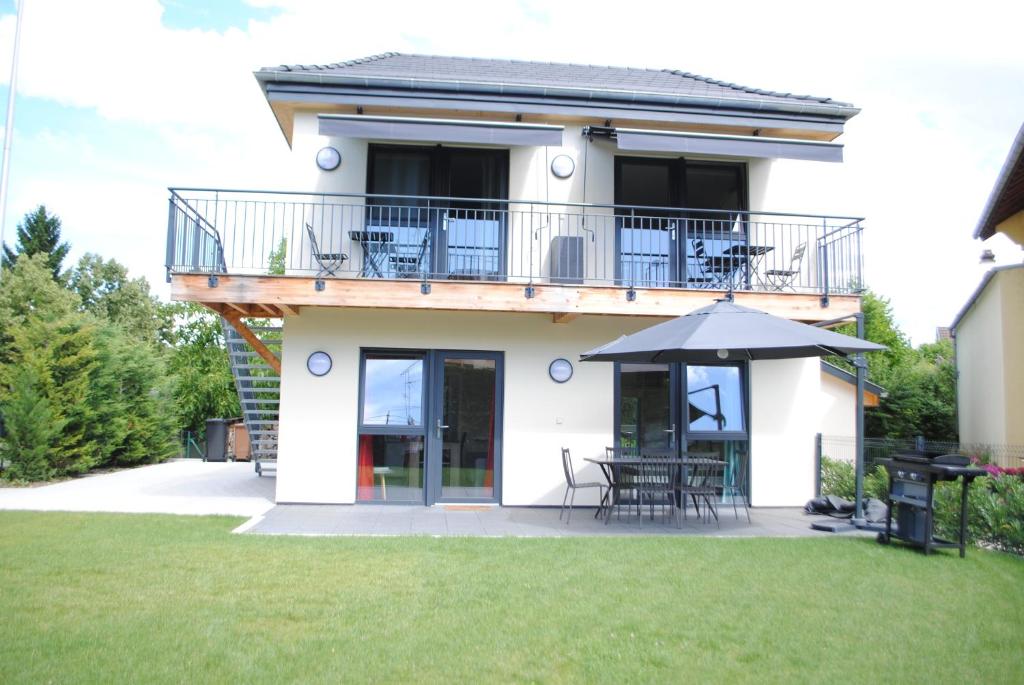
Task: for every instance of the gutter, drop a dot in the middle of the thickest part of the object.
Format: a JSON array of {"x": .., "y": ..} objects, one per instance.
[{"x": 841, "y": 110}]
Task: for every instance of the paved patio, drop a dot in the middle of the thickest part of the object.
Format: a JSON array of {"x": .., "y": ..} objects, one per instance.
[
  {"x": 307, "y": 519},
  {"x": 175, "y": 487}
]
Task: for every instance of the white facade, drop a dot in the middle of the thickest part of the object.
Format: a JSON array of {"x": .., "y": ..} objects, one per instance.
[{"x": 317, "y": 456}]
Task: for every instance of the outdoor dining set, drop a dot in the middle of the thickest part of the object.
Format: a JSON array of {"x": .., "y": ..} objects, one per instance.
[{"x": 664, "y": 481}]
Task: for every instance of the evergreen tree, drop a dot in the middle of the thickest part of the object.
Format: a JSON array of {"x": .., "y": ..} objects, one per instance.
[
  {"x": 30, "y": 425},
  {"x": 39, "y": 233}
]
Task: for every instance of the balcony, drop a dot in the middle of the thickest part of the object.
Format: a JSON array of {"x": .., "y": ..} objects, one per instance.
[{"x": 263, "y": 253}]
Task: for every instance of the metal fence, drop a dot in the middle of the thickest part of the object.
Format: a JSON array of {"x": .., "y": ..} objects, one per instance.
[
  {"x": 431, "y": 238},
  {"x": 845, "y": 449}
]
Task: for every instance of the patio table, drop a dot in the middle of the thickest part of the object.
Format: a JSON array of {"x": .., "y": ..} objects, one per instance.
[{"x": 609, "y": 466}]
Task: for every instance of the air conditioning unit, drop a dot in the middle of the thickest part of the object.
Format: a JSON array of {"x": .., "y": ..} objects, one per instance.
[{"x": 567, "y": 259}]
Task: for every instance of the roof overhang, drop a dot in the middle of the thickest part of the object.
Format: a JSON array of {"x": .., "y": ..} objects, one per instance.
[
  {"x": 439, "y": 130},
  {"x": 288, "y": 92},
  {"x": 1007, "y": 197},
  {"x": 986, "y": 279}
]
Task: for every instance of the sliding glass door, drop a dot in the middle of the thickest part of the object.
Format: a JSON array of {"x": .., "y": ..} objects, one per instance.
[
  {"x": 430, "y": 427},
  {"x": 462, "y": 235},
  {"x": 688, "y": 407}
]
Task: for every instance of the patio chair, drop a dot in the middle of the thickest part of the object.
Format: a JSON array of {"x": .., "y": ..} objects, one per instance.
[
  {"x": 780, "y": 279},
  {"x": 656, "y": 484},
  {"x": 711, "y": 271},
  {"x": 573, "y": 485},
  {"x": 624, "y": 480},
  {"x": 703, "y": 482},
  {"x": 734, "y": 486},
  {"x": 329, "y": 262}
]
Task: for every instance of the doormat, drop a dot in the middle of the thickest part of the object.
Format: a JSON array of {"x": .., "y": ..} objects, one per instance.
[{"x": 466, "y": 507}]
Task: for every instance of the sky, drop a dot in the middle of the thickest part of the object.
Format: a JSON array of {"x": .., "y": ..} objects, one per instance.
[{"x": 120, "y": 99}]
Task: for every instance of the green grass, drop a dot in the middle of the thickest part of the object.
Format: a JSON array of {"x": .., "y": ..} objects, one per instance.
[{"x": 115, "y": 598}]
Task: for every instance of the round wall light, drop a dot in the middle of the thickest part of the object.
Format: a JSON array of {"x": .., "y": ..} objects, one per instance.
[
  {"x": 319, "y": 363},
  {"x": 328, "y": 158},
  {"x": 562, "y": 166},
  {"x": 722, "y": 354},
  {"x": 560, "y": 370}
]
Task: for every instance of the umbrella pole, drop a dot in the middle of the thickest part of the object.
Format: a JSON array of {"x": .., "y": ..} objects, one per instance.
[{"x": 861, "y": 365}]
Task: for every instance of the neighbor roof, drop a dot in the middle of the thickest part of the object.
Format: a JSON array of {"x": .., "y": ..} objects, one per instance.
[
  {"x": 986, "y": 279},
  {"x": 1007, "y": 196},
  {"x": 494, "y": 75}
]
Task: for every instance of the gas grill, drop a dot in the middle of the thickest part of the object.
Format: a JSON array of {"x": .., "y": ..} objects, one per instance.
[{"x": 911, "y": 498}]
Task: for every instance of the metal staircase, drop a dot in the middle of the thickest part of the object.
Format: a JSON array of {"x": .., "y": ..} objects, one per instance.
[{"x": 259, "y": 390}]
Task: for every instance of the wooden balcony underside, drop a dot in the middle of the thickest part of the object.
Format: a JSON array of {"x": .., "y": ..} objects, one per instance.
[{"x": 262, "y": 296}]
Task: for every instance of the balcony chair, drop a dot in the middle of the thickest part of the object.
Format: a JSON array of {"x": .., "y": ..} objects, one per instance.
[
  {"x": 329, "y": 262},
  {"x": 657, "y": 483},
  {"x": 572, "y": 484},
  {"x": 711, "y": 271},
  {"x": 780, "y": 279},
  {"x": 407, "y": 265}
]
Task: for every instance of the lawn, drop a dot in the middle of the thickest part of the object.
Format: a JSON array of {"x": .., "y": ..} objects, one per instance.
[{"x": 97, "y": 597}]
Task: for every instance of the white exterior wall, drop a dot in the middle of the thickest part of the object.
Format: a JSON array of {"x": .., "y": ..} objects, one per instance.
[
  {"x": 838, "y": 407},
  {"x": 785, "y": 413},
  {"x": 317, "y": 445},
  {"x": 318, "y": 438}
]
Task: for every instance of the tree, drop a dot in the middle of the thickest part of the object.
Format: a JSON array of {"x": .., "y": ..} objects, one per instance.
[
  {"x": 39, "y": 233},
  {"x": 106, "y": 291},
  {"x": 198, "y": 363},
  {"x": 31, "y": 428}
]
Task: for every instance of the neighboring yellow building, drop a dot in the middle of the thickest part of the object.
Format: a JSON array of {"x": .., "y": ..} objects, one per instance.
[{"x": 989, "y": 330}]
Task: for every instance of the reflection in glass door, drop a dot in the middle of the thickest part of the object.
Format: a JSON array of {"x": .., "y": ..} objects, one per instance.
[
  {"x": 465, "y": 435},
  {"x": 645, "y": 407}
]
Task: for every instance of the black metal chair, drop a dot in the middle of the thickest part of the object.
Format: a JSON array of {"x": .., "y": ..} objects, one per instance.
[
  {"x": 711, "y": 271},
  {"x": 703, "y": 481},
  {"x": 657, "y": 483},
  {"x": 329, "y": 262},
  {"x": 624, "y": 479},
  {"x": 573, "y": 485},
  {"x": 734, "y": 486}
]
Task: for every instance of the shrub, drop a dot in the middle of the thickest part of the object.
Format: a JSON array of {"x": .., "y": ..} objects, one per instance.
[
  {"x": 838, "y": 478},
  {"x": 995, "y": 512}
]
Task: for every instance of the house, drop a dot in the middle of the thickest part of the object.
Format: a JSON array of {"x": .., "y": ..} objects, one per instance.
[
  {"x": 454, "y": 232},
  {"x": 988, "y": 330}
]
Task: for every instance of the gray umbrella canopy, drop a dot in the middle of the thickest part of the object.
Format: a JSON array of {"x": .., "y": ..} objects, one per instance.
[{"x": 725, "y": 331}]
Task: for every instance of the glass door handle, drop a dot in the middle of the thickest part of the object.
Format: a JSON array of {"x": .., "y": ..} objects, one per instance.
[{"x": 440, "y": 427}]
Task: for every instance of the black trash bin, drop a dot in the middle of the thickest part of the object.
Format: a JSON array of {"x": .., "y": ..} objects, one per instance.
[{"x": 216, "y": 440}]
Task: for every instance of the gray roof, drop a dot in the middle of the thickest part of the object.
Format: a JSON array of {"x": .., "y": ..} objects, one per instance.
[
  {"x": 466, "y": 71},
  {"x": 851, "y": 378},
  {"x": 1007, "y": 196},
  {"x": 986, "y": 279}
]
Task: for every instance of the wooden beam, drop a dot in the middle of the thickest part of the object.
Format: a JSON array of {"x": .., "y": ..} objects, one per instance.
[
  {"x": 262, "y": 350},
  {"x": 270, "y": 310},
  {"x": 564, "y": 317},
  {"x": 288, "y": 310},
  {"x": 295, "y": 291},
  {"x": 216, "y": 307},
  {"x": 244, "y": 310}
]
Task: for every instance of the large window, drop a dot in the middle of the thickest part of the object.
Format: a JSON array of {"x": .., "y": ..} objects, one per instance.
[
  {"x": 462, "y": 237},
  {"x": 391, "y": 430},
  {"x": 667, "y": 245},
  {"x": 714, "y": 397}
]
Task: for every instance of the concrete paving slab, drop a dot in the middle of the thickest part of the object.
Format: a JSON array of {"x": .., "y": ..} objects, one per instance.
[{"x": 392, "y": 520}]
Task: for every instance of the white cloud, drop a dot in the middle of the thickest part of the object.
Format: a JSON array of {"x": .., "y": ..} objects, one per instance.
[{"x": 939, "y": 84}]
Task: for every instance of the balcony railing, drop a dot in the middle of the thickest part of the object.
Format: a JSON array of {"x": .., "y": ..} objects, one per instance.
[{"x": 436, "y": 238}]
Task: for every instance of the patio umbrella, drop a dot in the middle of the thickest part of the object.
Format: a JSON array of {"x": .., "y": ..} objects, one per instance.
[{"x": 725, "y": 331}]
